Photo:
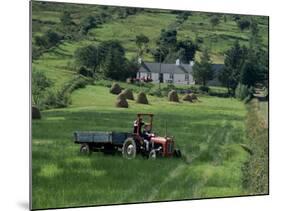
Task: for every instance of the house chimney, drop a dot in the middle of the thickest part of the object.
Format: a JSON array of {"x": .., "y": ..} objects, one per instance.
[
  {"x": 178, "y": 62},
  {"x": 139, "y": 60},
  {"x": 191, "y": 63}
]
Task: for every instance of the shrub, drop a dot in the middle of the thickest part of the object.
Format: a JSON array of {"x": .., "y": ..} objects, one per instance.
[
  {"x": 199, "y": 40},
  {"x": 48, "y": 40},
  {"x": 40, "y": 83},
  {"x": 242, "y": 92},
  {"x": 57, "y": 99},
  {"x": 243, "y": 24},
  {"x": 173, "y": 96},
  {"x": 204, "y": 89},
  {"x": 255, "y": 170},
  {"x": 85, "y": 71},
  {"x": 157, "y": 93},
  {"x": 88, "y": 23},
  {"x": 193, "y": 89}
]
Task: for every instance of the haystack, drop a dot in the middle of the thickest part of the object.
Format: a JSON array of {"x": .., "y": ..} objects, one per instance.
[
  {"x": 193, "y": 96},
  {"x": 187, "y": 97},
  {"x": 115, "y": 89},
  {"x": 173, "y": 96},
  {"x": 35, "y": 113},
  {"x": 128, "y": 94},
  {"x": 141, "y": 98},
  {"x": 121, "y": 96},
  {"x": 190, "y": 97},
  {"x": 121, "y": 101}
]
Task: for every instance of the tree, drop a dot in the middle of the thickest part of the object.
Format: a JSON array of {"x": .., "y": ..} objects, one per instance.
[
  {"x": 224, "y": 18},
  {"x": 53, "y": 38},
  {"x": 141, "y": 42},
  {"x": 48, "y": 40},
  {"x": 87, "y": 57},
  {"x": 106, "y": 46},
  {"x": 125, "y": 12},
  {"x": 214, "y": 20},
  {"x": 88, "y": 23},
  {"x": 258, "y": 56},
  {"x": 183, "y": 16},
  {"x": 113, "y": 61},
  {"x": 250, "y": 73},
  {"x": 202, "y": 71},
  {"x": 234, "y": 60},
  {"x": 186, "y": 50},
  {"x": 160, "y": 53},
  {"x": 117, "y": 67},
  {"x": 66, "y": 19},
  {"x": 168, "y": 38},
  {"x": 39, "y": 85},
  {"x": 113, "y": 65},
  {"x": 243, "y": 24}
]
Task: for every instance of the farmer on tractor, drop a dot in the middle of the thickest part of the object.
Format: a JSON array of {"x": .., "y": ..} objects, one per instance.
[
  {"x": 138, "y": 123},
  {"x": 147, "y": 136}
]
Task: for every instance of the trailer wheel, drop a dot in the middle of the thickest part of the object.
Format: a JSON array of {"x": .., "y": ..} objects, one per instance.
[
  {"x": 129, "y": 149},
  {"x": 85, "y": 149}
]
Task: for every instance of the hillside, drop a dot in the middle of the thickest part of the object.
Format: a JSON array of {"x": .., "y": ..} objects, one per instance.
[{"x": 56, "y": 62}]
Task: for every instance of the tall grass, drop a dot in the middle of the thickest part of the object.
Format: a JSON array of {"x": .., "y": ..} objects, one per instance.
[
  {"x": 208, "y": 133},
  {"x": 256, "y": 168}
]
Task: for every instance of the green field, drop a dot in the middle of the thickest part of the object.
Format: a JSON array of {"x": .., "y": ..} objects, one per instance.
[{"x": 209, "y": 134}]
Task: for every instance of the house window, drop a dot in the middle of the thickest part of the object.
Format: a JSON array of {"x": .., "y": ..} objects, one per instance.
[
  {"x": 149, "y": 75},
  {"x": 171, "y": 76},
  {"x": 186, "y": 77}
]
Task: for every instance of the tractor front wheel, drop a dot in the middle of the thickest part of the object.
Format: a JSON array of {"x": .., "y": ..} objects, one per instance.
[
  {"x": 129, "y": 149},
  {"x": 152, "y": 155},
  {"x": 177, "y": 153}
]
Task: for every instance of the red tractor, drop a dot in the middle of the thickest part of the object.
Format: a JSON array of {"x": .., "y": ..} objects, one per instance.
[
  {"x": 150, "y": 145},
  {"x": 142, "y": 142}
]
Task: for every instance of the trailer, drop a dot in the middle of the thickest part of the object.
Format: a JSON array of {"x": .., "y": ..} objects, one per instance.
[{"x": 107, "y": 142}]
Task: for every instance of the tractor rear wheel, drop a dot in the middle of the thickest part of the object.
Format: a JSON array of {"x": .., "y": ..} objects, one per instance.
[
  {"x": 129, "y": 149},
  {"x": 85, "y": 149}
]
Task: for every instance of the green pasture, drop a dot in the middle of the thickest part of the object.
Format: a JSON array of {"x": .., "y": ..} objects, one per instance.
[{"x": 209, "y": 134}]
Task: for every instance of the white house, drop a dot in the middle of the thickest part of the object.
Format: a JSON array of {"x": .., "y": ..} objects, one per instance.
[
  {"x": 176, "y": 73},
  {"x": 167, "y": 73}
]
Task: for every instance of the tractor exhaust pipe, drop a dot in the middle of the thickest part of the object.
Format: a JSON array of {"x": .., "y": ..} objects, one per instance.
[{"x": 165, "y": 128}]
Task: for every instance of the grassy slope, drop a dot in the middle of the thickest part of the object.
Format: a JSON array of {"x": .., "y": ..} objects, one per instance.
[
  {"x": 219, "y": 38},
  {"x": 62, "y": 177},
  {"x": 127, "y": 29},
  {"x": 54, "y": 63}
]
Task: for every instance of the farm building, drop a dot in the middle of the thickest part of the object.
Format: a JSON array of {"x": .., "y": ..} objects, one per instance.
[{"x": 176, "y": 73}]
